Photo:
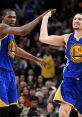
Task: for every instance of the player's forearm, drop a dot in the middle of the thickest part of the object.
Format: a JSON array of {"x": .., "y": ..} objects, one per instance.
[
  {"x": 27, "y": 28},
  {"x": 23, "y": 54},
  {"x": 44, "y": 30}
]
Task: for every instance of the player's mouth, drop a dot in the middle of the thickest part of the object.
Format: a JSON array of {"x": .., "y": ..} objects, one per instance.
[
  {"x": 76, "y": 24},
  {"x": 11, "y": 24}
]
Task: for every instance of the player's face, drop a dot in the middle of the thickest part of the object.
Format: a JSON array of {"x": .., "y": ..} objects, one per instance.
[
  {"x": 77, "y": 22},
  {"x": 10, "y": 18}
]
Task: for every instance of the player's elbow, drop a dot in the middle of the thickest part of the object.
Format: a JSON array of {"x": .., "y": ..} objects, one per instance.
[
  {"x": 23, "y": 33},
  {"x": 43, "y": 40},
  {"x": 40, "y": 39}
]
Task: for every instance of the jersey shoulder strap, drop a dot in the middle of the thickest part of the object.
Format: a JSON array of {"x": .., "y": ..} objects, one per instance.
[{"x": 66, "y": 38}]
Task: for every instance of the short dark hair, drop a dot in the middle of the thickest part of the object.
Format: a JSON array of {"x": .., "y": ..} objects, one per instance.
[
  {"x": 78, "y": 13},
  {"x": 34, "y": 98},
  {"x": 4, "y": 11}
]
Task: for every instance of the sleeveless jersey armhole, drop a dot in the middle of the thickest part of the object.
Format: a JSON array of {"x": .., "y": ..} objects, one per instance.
[
  {"x": 3, "y": 37},
  {"x": 66, "y": 38}
]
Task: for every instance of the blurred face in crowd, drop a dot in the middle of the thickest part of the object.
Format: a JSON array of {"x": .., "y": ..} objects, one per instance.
[
  {"x": 45, "y": 90},
  {"x": 40, "y": 79},
  {"x": 32, "y": 92},
  {"x": 25, "y": 91},
  {"x": 30, "y": 72},
  {"x": 49, "y": 84},
  {"x": 21, "y": 78},
  {"x": 22, "y": 85},
  {"x": 77, "y": 22},
  {"x": 21, "y": 100},
  {"x": 9, "y": 18},
  {"x": 34, "y": 103}
]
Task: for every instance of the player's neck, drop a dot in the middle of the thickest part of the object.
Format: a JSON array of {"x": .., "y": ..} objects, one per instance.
[{"x": 78, "y": 34}]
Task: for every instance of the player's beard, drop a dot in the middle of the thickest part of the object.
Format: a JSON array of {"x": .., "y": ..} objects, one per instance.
[
  {"x": 8, "y": 23},
  {"x": 11, "y": 24},
  {"x": 76, "y": 28}
]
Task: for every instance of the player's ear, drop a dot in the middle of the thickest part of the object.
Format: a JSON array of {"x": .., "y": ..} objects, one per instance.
[{"x": 2, "y": 18}]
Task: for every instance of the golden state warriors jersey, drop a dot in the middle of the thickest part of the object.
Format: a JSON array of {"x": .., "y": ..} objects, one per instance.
[
  {"x": 7, "y": 52},
  {"x": 73, "y": 68}
]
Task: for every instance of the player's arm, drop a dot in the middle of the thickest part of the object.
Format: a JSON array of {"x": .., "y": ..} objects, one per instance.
[
  {"x": 22, "y": 30},
  {"x": 52, "y": 39},
  {"x": 23, "y": 54}
]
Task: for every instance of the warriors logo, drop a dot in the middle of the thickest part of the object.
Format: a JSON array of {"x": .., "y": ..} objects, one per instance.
[
  {"x": 11, "y": 49},
  {"x": 76, "y": 53}
]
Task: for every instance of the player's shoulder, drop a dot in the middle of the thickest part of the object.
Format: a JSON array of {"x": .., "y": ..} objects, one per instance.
[
  {"x": 67, "y": 35},
  {"x": 66, "y": 38},
  {"x": 3, "y": 28}
]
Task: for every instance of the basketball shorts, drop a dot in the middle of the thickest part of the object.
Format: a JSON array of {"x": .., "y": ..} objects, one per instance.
[
  {"x": 8, "y": 89},
  {"x": 70, "y": 92}
]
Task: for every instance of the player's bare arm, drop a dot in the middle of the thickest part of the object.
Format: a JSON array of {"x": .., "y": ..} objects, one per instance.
[
  {"x": 52, "y": 39},
  {"x": 22, "y": 30},
  {"x": 23, "y": 54}
]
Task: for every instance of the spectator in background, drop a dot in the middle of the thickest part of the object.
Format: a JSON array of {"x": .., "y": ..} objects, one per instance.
[
  {"x": 30, "y": 77},
  {"x": 23, "y": 109},
  {"x": 27, "y": 96},
  {"x": 49, "y": 72},
  {"x": 21, "y": 86},
  {"x": 39, "y": 82},
  {"x": 49, "y": 84},
  {"x": 41, "y": 103},
  {"x": 45, "y": 92},
  {"x": 32, "y": 91},
  {"x": 33, "y": 110}
]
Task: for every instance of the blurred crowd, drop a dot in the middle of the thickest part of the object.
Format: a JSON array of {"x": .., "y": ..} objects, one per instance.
[{"x": 37, "y": 86}]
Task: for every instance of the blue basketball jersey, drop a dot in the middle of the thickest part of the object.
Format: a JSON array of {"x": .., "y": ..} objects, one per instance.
[
  {"x": 70, "y": 91},
  {"x": 73, "y": 68},
  {"x": 7, "y": 52}
]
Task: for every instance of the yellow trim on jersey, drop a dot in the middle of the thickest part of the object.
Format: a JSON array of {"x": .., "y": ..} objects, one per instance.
[
  {"x": 4, "y": 37},
  {"x": 13, "y": 103},
  {"x": 11, "y": 48},
  {"x": 3, "y": 104},
  {"x": 66, "y": 39},
  {"x": 58, "y": 97}
]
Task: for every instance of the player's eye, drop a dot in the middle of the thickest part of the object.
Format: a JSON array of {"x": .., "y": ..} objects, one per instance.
[
  {"x": 79, "y": 18},
  {"x": 74, "y": 19}
]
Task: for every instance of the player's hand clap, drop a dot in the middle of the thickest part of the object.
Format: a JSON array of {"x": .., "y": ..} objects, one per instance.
[{"x": 49, "y": 13}]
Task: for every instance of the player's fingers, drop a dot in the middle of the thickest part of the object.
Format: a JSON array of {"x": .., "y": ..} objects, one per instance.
[
  {"x": 50, "y": 12},
  {"x": 53, "y": 11}
]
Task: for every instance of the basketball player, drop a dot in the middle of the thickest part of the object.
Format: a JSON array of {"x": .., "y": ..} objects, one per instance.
[
  {"x": 70, "y": 91},
  {"x": 8, "y": 50}
]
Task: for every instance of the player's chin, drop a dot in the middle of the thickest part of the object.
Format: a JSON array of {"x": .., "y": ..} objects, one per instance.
[
  {"x": 12, "y": 24},
  {"x": 76, "y": 28}
]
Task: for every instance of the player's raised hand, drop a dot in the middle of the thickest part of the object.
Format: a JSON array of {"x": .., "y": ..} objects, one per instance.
[{"x": 50, "y": 12}]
